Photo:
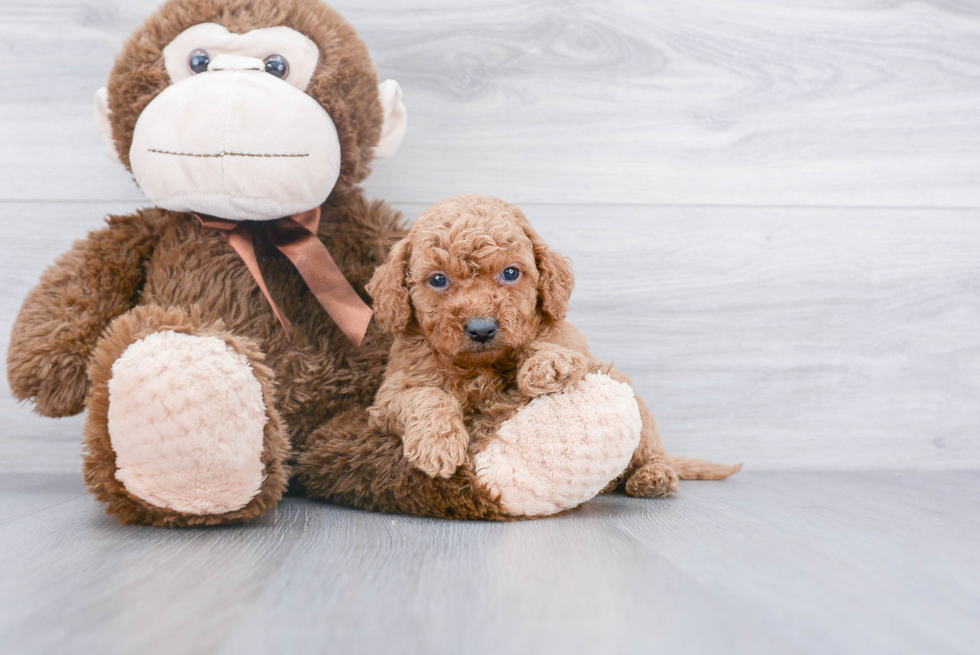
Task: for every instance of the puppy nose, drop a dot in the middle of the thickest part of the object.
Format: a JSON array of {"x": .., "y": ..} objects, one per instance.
[{"x": 482, "y": 330}]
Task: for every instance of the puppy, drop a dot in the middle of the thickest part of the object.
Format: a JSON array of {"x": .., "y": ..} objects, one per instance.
[{"x": 477, "y": 303}]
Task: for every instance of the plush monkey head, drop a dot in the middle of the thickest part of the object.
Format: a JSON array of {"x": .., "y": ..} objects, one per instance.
[{"x": 247, "y": 109}]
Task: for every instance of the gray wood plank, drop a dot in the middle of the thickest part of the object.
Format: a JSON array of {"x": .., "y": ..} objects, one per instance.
[
  {"x": 764, "y": 562},
  {"x": 788, "y": 338},
  {"x": 23, "y": 494},
  {"x": 784, "y": 338},
  {"x": 838, "y": 562},
  {"x": 77, "y": 579},
  {"x": 822, "y": 102}
]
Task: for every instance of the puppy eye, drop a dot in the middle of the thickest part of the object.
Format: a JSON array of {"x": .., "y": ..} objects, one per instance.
[
  {"x": 199, "y": 61},
  {"x": 277, "y": 65},
  {"x": 511, "y": 274},
  {"x": 438, "y": 281}
]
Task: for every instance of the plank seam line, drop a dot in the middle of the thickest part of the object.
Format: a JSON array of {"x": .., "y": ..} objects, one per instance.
[
  {"x": 43, "y": 509},
  {"x": 536, "y": 203}
]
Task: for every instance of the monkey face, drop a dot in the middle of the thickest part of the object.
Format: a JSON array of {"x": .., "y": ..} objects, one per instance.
[
  {"x": 243, "y": 130},
  {"x": 235, "y": 136}
]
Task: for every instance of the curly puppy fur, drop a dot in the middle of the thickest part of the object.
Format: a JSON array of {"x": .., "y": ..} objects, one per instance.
[{"x": 477, "y": 258}]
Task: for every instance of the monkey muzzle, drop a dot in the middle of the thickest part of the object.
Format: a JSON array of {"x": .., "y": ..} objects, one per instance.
[{"x": 236, "y": 143}]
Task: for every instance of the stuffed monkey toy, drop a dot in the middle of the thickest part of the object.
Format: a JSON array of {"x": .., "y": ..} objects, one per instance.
[{"x": 211, "y": 335}]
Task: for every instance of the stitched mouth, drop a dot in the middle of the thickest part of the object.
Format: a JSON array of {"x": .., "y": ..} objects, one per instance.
[{"x": 221, "y": 154}]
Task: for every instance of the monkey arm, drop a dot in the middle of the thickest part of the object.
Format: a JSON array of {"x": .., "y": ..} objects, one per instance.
[{"x": 61, "y": 319}]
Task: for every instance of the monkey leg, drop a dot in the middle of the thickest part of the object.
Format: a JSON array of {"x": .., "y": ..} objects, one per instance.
[
  {"x": 350, "y": 462},
  {"x": 182, "y": 428},
  {"x": 555, "y": 453}
]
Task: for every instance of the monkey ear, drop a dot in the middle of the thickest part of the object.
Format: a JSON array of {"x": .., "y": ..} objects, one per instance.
[
  {"x": 102, "y": 122},
  {"x": 388, "y": 288},
  {"x": 395, "y": 119},
  {"x": 555, "y": 279}
]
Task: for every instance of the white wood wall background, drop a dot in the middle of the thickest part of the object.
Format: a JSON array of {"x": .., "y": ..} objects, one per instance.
[{"x": 773, "y": 207}]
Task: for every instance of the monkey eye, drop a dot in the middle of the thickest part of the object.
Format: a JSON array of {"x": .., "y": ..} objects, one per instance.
[
  {"x": 199, "y": 61},
  {"x": 511, "y": 274},
  {"x": 277, "y": 65},
  {"x": 438, "y": 281}
]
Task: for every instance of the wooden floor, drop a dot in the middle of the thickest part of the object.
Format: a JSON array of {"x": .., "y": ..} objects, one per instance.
[{"x": 779, "y": 562}]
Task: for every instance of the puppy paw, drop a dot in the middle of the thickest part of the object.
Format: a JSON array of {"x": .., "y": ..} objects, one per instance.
[
  {"x": 656, "y": 478},
  {"x": 435, "y": 446},
  {"x": 552, "y": 370}
]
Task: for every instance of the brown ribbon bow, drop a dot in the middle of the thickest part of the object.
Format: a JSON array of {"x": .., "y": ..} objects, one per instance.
[{"x": 296, "y": 237}]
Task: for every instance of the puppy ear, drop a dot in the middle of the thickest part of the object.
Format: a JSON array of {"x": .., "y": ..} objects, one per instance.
[
  {"x": 555, "y": 280},
  {"x": 392, "y": 305}
]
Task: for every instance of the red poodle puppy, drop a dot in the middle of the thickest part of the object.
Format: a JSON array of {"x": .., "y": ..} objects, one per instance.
[{"x": 477, "y": 302}]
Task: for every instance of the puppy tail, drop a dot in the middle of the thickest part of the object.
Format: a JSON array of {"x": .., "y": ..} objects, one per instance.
[{"x": 688, "y": 468}]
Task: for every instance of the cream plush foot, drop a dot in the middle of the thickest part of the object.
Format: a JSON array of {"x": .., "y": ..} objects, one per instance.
[
  {"x": 182, "y": 427},
  {"x": 562, "y": 449},
  {"x": 186, "y": 420}
]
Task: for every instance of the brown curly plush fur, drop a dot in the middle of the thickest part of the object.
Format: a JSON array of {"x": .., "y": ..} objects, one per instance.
[
  {"x": 444, "y": 395},
  {"x": 185, "y": 277}
]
